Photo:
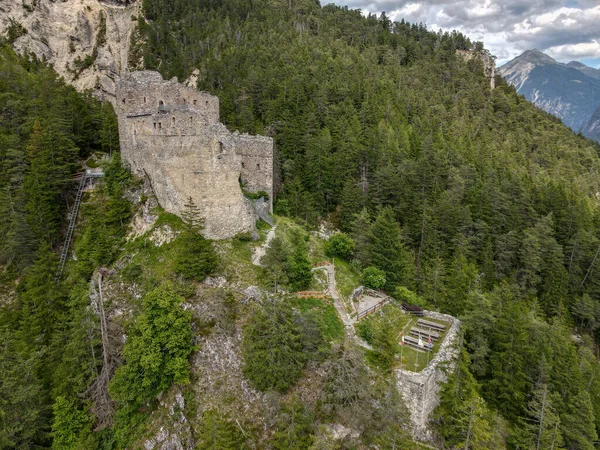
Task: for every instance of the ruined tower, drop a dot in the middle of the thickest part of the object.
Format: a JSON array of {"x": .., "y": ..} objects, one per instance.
[{"x": 172, "y": 134}]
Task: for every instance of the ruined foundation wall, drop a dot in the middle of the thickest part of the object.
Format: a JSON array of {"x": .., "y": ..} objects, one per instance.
[{"x": 421, "y": 390}]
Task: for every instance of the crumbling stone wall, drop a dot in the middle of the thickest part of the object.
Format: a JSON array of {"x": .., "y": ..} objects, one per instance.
[
  {"x": 421, "y": 390},
  {"x": 172, "y": 134}
]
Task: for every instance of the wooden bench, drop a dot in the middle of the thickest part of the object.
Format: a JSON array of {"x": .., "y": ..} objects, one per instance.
[
  {"x": 432, "y": 325},
  {"x": 414, "y": 343},
  {"x": 412, "y": 309},
  {"x": 425, "y": 333}
]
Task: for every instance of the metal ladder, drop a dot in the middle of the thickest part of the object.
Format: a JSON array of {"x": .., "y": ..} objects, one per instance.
[{"x": 72, "y": 223}]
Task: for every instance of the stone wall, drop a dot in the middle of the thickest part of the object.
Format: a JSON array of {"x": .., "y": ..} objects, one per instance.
[
  {"x": 420, "y": 390},
  {"x": 171, "y": 134}
]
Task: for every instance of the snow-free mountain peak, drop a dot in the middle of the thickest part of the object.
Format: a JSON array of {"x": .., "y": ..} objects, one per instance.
[{"x": 570, "y": 91}]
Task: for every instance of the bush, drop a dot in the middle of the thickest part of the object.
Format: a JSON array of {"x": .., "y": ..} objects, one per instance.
[
  {"x": 340, "y": 245},
  {"x": 373, "y": 278},
  {"x": 156, "y": 352},
  {"x": 405, "y": 295},
  {"x": 243, "y": 237}
]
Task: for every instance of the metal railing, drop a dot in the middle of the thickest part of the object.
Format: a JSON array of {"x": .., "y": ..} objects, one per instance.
[{"x": 87, "y": 175}]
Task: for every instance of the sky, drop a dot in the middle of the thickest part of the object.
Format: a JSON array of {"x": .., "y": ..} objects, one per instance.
[{"x": 567, "y": 30}]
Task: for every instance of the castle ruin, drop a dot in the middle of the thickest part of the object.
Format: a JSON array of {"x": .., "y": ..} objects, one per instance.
[{"x": 172, "y": 134}]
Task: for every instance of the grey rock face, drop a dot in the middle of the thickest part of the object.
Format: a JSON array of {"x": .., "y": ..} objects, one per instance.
[
  {"x": 67, "y": 31},
  {"x": 171, "y": 134},
  {"x": 569, "y": 91},
  {"x": 489, "y": 64}
]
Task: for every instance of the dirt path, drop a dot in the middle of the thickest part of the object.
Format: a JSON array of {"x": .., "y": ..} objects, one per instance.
[
  {"x": 340, "y": 308},
  {"x": 259, "y": 252}
]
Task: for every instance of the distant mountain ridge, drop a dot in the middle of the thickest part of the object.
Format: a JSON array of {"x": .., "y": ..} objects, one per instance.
[{"x": 569, "y": 91}]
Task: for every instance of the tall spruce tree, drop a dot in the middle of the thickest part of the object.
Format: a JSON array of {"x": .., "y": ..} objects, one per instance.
[{"x": 387, "y": 252}]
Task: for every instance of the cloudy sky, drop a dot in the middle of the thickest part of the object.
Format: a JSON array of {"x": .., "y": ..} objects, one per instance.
[{"x": 567, "y": 30}]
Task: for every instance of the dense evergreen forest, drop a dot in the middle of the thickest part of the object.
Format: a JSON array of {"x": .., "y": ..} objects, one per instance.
[{"x": 466, "y": 200}]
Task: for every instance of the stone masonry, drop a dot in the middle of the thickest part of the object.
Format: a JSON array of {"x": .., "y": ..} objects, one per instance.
[
  {"x": 421, "y": 390},
  {"x": 171, "y": 134}
]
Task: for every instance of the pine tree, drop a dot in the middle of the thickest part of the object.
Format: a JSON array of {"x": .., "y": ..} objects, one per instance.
[
  {"x": 578, "y": 426},
  {"x": 361, "y": 227},
  {"x": 196, "y": 257},
  {"x": 275, "y": 261},
  {"x": 71, "y": 428},
  {"x": 545, "y": 427},
  {"x": 273, "y": 348},
  {"x": 387, "y": 252},
  {"x": 51, "y": 156},
  {"x": 24, "y": 418},
  {"x": 218, "y": 433},
  {"x": 298, "y": 267},
  {"x": 294, "y": 427}
]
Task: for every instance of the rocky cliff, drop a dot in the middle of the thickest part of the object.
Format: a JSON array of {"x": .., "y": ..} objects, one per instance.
[
  {"x": 489, "y": 64},
  {"x": 592, "y": 128},
  {"x": 86, "y": 41}
]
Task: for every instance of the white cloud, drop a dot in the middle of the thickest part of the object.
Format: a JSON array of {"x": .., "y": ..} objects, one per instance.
[{"x": 565, "y": 29}]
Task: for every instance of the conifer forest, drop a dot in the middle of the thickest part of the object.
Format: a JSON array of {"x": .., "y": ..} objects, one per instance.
[{"x": 443, "y": 193}]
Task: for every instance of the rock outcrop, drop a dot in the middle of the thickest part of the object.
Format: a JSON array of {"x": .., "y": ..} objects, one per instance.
[
  {"x": 171, "y": 134},
  {"x": 489, "y": 64},
  {"x": 86, "y": 41}
]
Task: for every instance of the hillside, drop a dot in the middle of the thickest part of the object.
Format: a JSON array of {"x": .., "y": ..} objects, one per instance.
[
  {"x": 445, "y": 194},
  {"x": 592, "y": 128},
  {"x": 569, "y": 91}
]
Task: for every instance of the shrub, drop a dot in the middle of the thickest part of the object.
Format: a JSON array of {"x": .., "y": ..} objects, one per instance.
[
  {"x": 373, "y": 278},
  {"x": 340, "y": 245},
  {"x": 405, "y": 295},
  {"x": 156, "y": 352}
]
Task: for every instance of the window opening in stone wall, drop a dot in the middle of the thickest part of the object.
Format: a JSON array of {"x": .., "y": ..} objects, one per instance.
[
  {"x": 258, "y": 166},
  {"x": 195, "y": 102},
  {"x": 123, "y": 101},
  {"x": 173, "y": 121},
  {"x": 161, "y": 105},
  {"x": 159, "y": 125},
  {"x": 155, "y": 125},
  {"x": 220, "y": 147},
  {"x": 243, "y": 165},
  {"x": 144, "y": 99},
  {"x": 206, "y": 103}
]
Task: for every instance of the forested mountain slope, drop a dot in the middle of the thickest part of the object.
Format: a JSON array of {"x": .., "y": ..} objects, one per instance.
[{"x": 478, "y": 202}]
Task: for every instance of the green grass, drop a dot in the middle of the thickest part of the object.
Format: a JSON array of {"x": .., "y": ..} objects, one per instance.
[
  {"x": 166, "y": 218},
  {"x": 386, "y": 325},
  {"x": 347, "y": 279},
  {"x": 235, "y": 262},
  {"x": 325, "y": 315},
  {"x": 409, "y": 356}
]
